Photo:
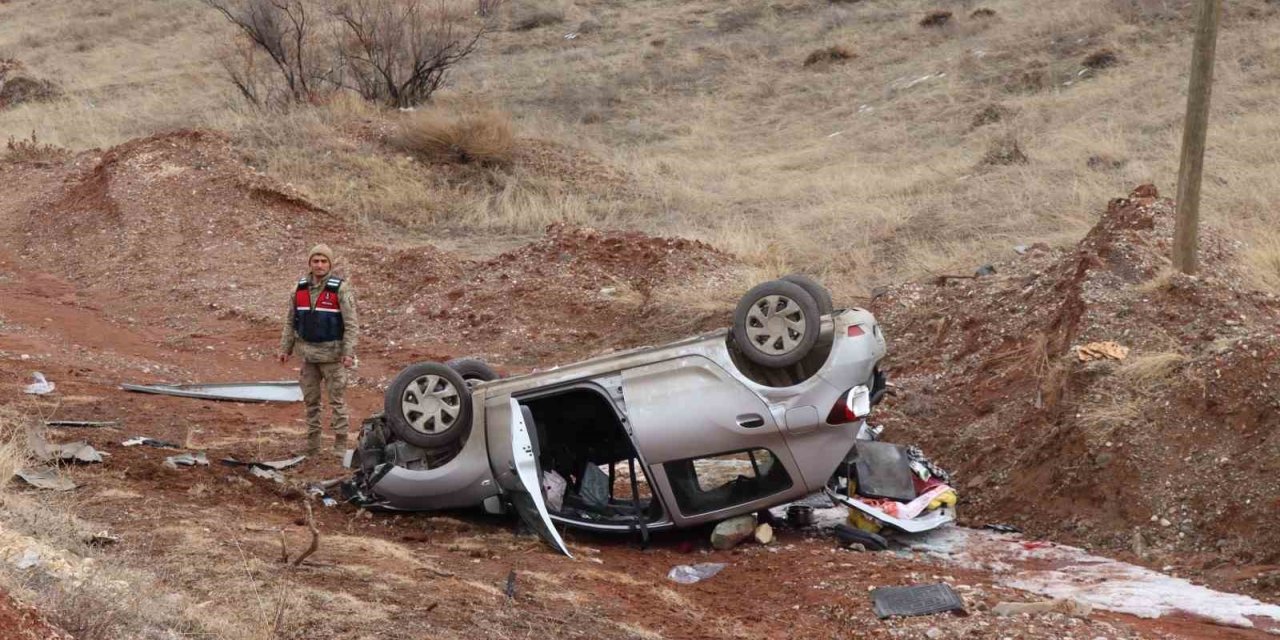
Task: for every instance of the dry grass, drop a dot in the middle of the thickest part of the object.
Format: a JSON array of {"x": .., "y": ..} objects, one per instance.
[
  {"x": 828, "y": 55},
  {"x": 483, "y": 137},
  {"x": 1148, "y": 372},
  {"x": 877, "y": 156}
]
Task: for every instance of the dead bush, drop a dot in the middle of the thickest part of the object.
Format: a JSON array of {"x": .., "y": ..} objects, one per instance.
[
  {"x": 834, "y": 53},
  {"x": 990, "y": 114},
  {"x": 982, "y": 13},
  {"x": 739, "y": 18},
  {"x": 482, "y": 137},
  {"x": 1104, "y": 162},
  {"x": 398, "y": 53},
  {"x": 31, "y": 150},
  {"x": 1148, "y": 11},
  {"x": 287, "y": 33},
  {"x": 16, "y": 87},
  {"x": 1101, "y": 59},
  {"x": 532, "y": 14},
  {"x": 1032, "y": 77},
  {"x": 936, "y": 19},
  {"x": 1004, "y": 151}
]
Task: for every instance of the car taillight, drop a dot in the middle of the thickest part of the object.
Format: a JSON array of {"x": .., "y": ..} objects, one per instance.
[
  {"x": 855, "y": 331},
  {"x": 853, "y": 405}
]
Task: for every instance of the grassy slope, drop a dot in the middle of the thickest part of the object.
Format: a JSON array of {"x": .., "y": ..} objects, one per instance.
[{"x": 866, "y": 172}]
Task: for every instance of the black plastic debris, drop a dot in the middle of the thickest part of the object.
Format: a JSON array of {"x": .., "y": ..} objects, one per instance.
[
  {"x": 97, "y": 424},
  {"x": 848, "y": 535},
  {"x": 277, "y": 465},
  {"x": 921, "y": 600},
  {"x": 985, "y": 270}
]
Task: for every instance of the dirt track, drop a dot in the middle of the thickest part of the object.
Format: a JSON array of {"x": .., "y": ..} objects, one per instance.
[{"x": 93, "y": 318}]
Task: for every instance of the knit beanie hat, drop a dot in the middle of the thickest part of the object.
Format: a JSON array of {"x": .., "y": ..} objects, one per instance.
[{"x": 321, "y": 249}]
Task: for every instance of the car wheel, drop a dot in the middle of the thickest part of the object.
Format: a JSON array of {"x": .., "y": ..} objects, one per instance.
[
  {"x": 776, "y": 324},
  {"x": 428, "y": 405},
  {"x": 820, "y": 294},
  {"x": 848, "y": 535},
  {"x": 473, "y": 370}
]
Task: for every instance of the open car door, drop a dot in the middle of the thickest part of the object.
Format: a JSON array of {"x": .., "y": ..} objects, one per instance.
[{"x": 528, "y": 501}]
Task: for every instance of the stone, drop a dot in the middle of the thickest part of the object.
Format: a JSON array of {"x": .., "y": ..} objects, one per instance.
[
  {"x": 730, "y": 532},
  {"x": 764, "y": 533}
]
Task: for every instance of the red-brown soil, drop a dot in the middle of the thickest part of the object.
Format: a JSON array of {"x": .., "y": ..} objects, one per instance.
[{"x": 119, "y": 266}]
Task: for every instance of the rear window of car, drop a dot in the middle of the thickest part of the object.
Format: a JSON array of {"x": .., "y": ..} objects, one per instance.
[{"x": 711, "y": 483}]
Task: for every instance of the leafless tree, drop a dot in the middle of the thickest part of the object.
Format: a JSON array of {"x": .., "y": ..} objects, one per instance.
[
  {"x": 287, "y": 32},
  {"x": 398, "y": 52}
]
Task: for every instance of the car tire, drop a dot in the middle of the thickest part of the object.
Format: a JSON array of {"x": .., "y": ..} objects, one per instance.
[
  {"x": 473, "y": 370},
  {"x": 820, "y": 294},
  {"x": 428, "y": 405},
  {"x": 769, "y": 337}
]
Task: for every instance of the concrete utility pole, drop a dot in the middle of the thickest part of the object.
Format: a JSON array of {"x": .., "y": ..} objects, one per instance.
[{"x": 1193, "y": 133}]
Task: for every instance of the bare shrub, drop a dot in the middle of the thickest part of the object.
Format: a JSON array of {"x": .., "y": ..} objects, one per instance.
[
  {"x": 1103, "y": 162},
  {"x": 1148, "y": 11},
  {"x": 990, "y": 114},
  {"x": 532, "y": 14},
  {"x": 828, "y": 55},
  {"x": 982, "y": 13},
  {"x": 398, "y": 53},
  {"x": 1004, "y": 150},
  {"x": 16, "y": 87},
  {"x": 287, "y": 32},
  {"x": 1101, "y": 59},
  {"x": 739, "y": 18},
  {"x": 481, "y": 137},
  {"x": 936, "y": 19},
  {"x": 31, "y": 150}
]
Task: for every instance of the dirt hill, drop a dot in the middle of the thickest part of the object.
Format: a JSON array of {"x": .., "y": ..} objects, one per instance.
[{"x": 1169, "y": 451}]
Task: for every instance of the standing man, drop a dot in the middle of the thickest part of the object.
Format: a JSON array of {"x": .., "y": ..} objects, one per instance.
[{"x": 322, "y": 315}]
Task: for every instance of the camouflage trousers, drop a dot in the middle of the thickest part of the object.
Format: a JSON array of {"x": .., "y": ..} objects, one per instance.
[{"x": 330, "y": 377}]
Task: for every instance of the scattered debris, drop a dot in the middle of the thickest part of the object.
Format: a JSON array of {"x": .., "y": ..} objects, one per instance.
[
  {"x": 850, "y": 536},
  {"x": 730, "y": 532},
  {"x": 689, "y": 574},
  {"x": 1067, "y": 606},
  {"x": 1020, "y": 249},
  {"x": 1101, "y": 350},
  {"x": 799, "y": 515},
  {"x": 47, "y": 478},
  {"x": 79, "y": 451},
  {"x": 82, "y": 423},
  {"x": 234, "y": 391},
  {"x": 985, "y": 270},
  {"x": 1001, "y": 528},
  {"x": 40, "y": 386},
  {"x": 764, "y": 533},
  {"x": 278, "y": 465},
  {"x": 150, "y": 442},
  {"x": 920, "y": 600},
  {"x": 186, "y": 460},
  {"x": 269, "y": 474}
]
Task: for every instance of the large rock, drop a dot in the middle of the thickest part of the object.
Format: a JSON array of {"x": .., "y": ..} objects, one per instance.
[{"x": 729, "y": 533}]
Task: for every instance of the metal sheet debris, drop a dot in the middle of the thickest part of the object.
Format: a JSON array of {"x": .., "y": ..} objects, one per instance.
[
  {"x": 80, "y": 451},
  {"x": 39, "y": 386},
  {"x": 284, "y": 391},
  {"x": 919, "y": 600},
  {"x": 269, "y": 474},
  {"x": 150, "y": 442},
  {"x": 47, "y": 478},
  {"x": 278, "y": 465},
  {"x": 689, "y": 574},
  {"x": 186, "y": 460}
]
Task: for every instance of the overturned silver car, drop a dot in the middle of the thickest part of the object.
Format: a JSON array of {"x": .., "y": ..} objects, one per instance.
[{"x": 678, "y": 435}]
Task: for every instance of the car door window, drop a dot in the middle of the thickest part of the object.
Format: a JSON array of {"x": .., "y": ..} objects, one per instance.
[{"x": 711, "y": 483}]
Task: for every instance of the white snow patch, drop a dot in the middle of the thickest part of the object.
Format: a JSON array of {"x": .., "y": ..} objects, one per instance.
[{"x": 1061, "y": 571}]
